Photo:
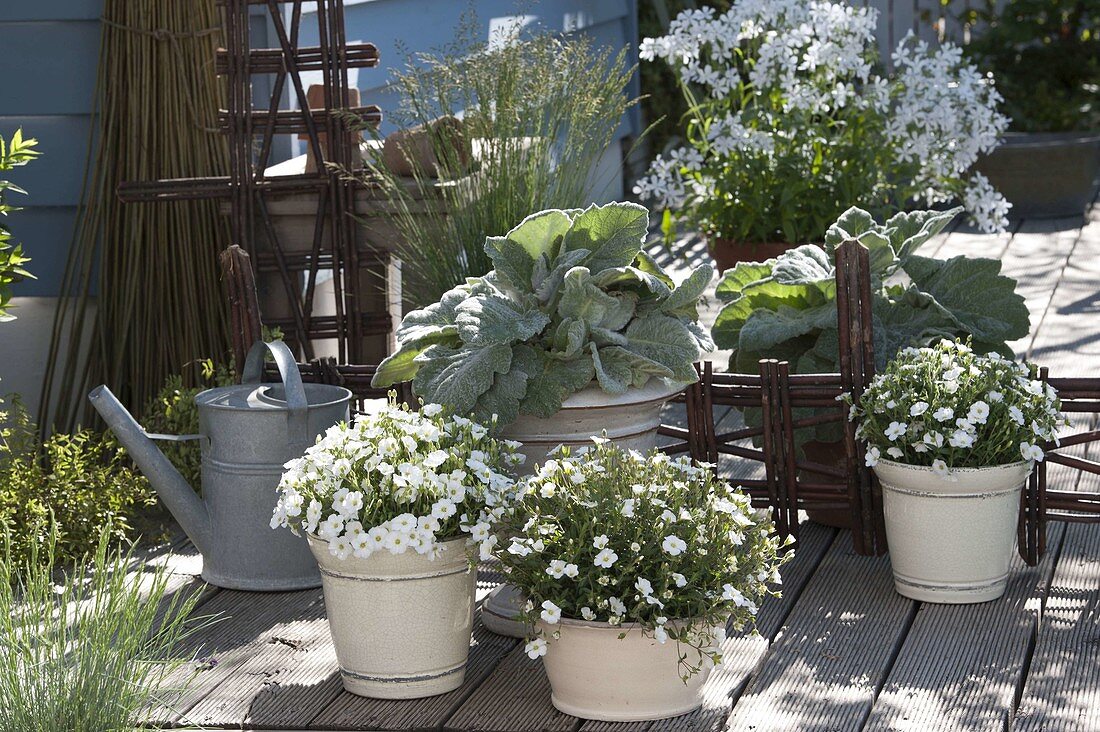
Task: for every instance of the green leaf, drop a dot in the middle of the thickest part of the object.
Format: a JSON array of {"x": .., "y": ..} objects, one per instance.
[
  {"x": 620, "y": 313},
  {"x": 399, "y": 366},
  {"x": 766, "y": 329},
  {"x": 685, "y": 298},
  {"x": 583, "y": 300},
  {"x": 851, "y": 224},
  {"x": 913, "y": 228},
  {"x": 551, "y": 381},
  {"x": 613, "y": 233},
  {"x": 735, "y": 280},
  {"x": 806, "y": 265},
  {"x": 511, "y": 262},
  {"x": 983, "y": 302},
  {"x": 540, "y": 233},
  {"x": 666, "y": 341},
  {"x": 618, "y": 369},
  {"x": 491, "y": 319},
  {"x": 434, "y": 323},
  {"x": 504, "y": 396},
  {"x": 624, "y": 276},
  {"x": 569, "y": 338},
  {"x": 456, "y": 378},
  {"x": 911, "y": 320},
  {"x": 546, "y": 287}
]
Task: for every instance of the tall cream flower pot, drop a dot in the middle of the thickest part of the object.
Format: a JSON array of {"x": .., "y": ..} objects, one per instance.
[
  {"x": 630, "y": 421},
  {"x": 596, "y": 675},
  {"x": 951, "y": 538},
  {"x": 400, "y": 623}
]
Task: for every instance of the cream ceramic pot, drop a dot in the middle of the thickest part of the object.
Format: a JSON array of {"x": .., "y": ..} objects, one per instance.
[
  {"x": 596, "y": 675},
  {"x": 400, "y": 623},
  {"x": 951, "y": 539},
  {"x": 630, "y": 420}
]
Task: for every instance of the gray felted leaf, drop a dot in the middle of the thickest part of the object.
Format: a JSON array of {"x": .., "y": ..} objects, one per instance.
[
  {"x": 457, "y": 378},
  {"x": 613, "y": 233},
  {"x": 490, "y": 319},
  {"x": 551, "y": 381}
]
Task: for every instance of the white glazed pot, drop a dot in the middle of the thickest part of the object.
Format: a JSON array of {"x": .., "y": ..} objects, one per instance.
[
  {"x": 951, "y": 539},
  {"x": 630, "y": 420},
  {"x": 400, "y": 623},
  {"x": 595, "y": 675}
]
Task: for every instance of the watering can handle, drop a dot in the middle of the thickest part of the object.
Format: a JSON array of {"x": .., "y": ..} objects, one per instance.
[{"x": 297, "y": 427}]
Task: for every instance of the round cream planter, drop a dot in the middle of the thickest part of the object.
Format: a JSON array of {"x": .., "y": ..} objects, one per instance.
[
  {"x": 400, "y": 622},
  {"x": 951, "y": 539},
  {"x": 595, "y": 675},
  {"x": 630, "y": 420}
]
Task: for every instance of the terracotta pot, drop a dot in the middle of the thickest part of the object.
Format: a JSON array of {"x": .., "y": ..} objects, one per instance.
[
  {"x": 951, "y": 538},
  {"x": 830, "y": 454},
  {"x": 630, "y": 420},
  {"x": 595, "y": 675},
  {"x": 728, "y": 253},
  {"x": 1044, "y": 174},
  {"x": 400, "y": 623}
]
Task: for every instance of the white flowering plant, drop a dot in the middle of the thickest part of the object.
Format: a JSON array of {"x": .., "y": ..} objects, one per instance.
[
  {"x": 617, "y": 537},
  {"x": 400, "y": 480},
  {"x": 789, "y": 122},
  {"x": 947, "y": 407}
]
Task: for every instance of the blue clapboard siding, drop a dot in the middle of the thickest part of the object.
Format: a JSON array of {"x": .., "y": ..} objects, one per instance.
[{"x": 49, "y": 52}]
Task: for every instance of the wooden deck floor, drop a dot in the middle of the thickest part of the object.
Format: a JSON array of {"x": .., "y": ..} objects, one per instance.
[{"x": 839, "y": 651}]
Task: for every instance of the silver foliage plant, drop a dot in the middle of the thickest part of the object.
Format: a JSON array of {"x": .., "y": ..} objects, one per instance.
[{"x": 572, "y": 299}]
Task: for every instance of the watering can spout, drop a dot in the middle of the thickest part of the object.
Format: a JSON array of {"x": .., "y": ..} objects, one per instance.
[{"x": 177, "y": 494}]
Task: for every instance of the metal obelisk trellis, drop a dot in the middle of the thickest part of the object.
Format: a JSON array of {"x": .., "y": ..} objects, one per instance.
[{"x": 287, "y": 262}]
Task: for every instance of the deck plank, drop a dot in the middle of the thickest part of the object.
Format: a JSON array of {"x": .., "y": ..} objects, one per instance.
[
  {"x": 1062, "y": 693},
  {"x": 828, "y": 661}
]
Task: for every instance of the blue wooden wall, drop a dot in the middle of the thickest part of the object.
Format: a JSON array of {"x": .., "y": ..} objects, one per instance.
[
  {"x": 49, "y": 53},
  {"x": 49, "y": 50}
]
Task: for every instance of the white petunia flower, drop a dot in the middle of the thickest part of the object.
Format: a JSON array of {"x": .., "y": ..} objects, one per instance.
[
  {"x": 918, "y": 409},
  {"x": 556, "y": 568},
  {"x": 944, "y": 414},
  {"x": 644, "y": 586},
  {"x": 551, "y": 613},
  {"x": 600, "y": 541},
  {"x": 605, "y": 558},
  {"x": 679, "y": 579},
  {"x": 895, "y": 430},
  {"x": 1031, "y": 452},
  {"x": 939, "y": 467},
  {"x": 535, "y": 648},
  {"x": 674, "y": 545},
  {"x": 587, "y": 614},
  {"x": 872, "y": 457}
]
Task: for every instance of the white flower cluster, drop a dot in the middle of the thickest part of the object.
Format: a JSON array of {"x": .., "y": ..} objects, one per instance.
[
  {"x": 618, "y": 537},
  {"x": 948, "y": 407},
  {"x": 399, "y": 480},
  {"x": 783, "y": 77}
]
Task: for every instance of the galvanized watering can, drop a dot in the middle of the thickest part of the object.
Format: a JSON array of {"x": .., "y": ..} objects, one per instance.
[{"x": 247, "y": 432}]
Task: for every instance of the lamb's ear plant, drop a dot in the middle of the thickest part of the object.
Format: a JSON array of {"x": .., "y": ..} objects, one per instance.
[
  {"x": 572, "y": 299},
  {"x": 786, "y": 307},
  {"x": 87, "y": 646}
]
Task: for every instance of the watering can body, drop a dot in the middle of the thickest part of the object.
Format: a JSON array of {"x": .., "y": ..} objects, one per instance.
[{"x": 247, "y": 432}]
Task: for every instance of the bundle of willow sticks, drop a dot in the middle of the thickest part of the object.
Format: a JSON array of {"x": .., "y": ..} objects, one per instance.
[{"x": 141, "y": 297}]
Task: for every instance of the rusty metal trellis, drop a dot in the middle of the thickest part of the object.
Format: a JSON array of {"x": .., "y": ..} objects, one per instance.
[{"x": 288, "y": 265}]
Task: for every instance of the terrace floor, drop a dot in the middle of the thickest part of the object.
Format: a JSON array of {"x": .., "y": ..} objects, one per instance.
[{"x": 839, "y": 651}]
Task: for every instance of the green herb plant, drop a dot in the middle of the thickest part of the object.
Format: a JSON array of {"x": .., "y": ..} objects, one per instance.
[
  {"x": 87, "y": 646},
  {"x": 16, "y": 152},
  {"x": 536, "y": 112},
  {"x": 571, "y": 299}
]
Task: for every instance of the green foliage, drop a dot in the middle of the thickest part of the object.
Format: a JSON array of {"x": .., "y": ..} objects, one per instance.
[
  {"x": 172, "y": 411},
  {"x": 15, "y": 153},
  {"x": 1045, "y": 57},
  {"x": 86, "y": 647},
  {"x": 572, "y": 298},
  {"x": 537, "y": 113},
  {"x": 786, "y": 307},
  {"x": 82, "y": 482}
]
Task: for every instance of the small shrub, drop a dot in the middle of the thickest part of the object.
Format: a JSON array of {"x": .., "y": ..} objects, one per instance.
[
  {"x": 85, "y": 648},
  {"x": 83, "y": 480}
]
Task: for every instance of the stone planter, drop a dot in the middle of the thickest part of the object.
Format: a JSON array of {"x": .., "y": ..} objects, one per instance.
[
  {"x": 728, "y": 253},
  {"x": 400, "y": 623},
  {"x": 630, "y": 420},
  {"x": 951, "y": 539},
  {"x": 595, "y": 675},
  {"x": 1044, "y": 174}
]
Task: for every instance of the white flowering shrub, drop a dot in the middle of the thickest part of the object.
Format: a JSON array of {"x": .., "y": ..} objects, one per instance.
[
  {"x": 616, "y": 537},
  {"x": 790, "y": 122},
  {"x": 399, "y": 480},
  {"x": 947, "y": 407}
]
